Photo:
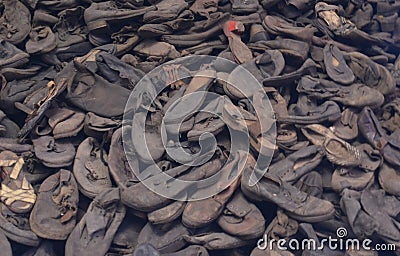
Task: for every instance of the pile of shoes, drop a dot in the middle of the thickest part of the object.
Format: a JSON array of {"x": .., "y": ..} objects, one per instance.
[{"x": 331, "y": 71}]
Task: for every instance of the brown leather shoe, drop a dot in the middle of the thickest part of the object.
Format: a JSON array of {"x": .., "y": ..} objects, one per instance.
[
  {"x": 337, "y": 150},
  {"x": 297, "y": 204},
  {"x": 202, "y": 212},
  {"x": 54, "y": 215},
  {"x": 90, "y": 169},
  {"x": 241, "y": 218},
  {"x": 94, "y": 233}
]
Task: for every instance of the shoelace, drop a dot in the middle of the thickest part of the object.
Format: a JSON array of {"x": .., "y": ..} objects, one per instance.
[
  {"x": 60, "y": 197},
  {"x": 91, "y": 175},
  {"x": 51, "y": 146},
  {"x": 11, "y": 29},
  {"x": 300, "y": 198},
  {"x": 92, "y": 167}
]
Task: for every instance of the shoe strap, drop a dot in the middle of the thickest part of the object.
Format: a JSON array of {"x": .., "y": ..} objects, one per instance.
[
  {"x": 24, "y": 194},
  {"x": 17, "y": 166},
  {"x": 240, "y": 208}
]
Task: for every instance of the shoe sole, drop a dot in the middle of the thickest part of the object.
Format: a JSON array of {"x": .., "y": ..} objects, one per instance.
[{"x": 313, "y": 219}]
